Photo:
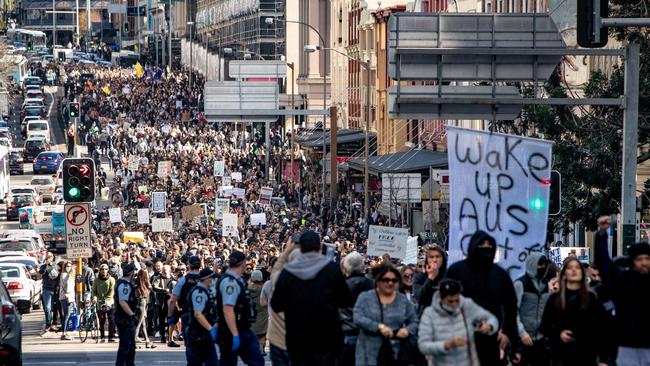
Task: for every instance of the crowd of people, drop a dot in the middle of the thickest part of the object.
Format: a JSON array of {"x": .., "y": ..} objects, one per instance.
[{"x": 300, "y": 289}]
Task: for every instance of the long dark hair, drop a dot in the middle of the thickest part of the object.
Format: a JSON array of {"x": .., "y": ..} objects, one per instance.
[
  {"x": 583, "y": 292},
  {"x": 379, "y": 272}
]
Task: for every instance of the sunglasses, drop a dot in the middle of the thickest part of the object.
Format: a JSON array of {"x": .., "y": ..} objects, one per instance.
[
  {"x": 387, "y": 280},
  {"x": 408, "y": 276}
]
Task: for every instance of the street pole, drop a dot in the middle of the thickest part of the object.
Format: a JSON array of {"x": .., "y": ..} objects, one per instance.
[
  {"x": 366, "y": 173},
  {"x": 87, "y": 37},
  {"x": 191, "y": 60},
  {"x": 430, "y": 205},
  {"x": 324, "y": 119},
  {"x": 53, "y": 23},
  {"x": 630, "y": 140},
  {"x": 169, "y": 29},
  {"x": 293, "y": 122},
  {"x": 77, "y": 17}
]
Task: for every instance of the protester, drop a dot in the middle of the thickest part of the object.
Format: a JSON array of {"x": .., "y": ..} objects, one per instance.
[
  {"x": 435, "y": 267},
  {"x": 353, "y": 268},
  {"x": 143, "y": 289},
  {"x": 103, "y": 291},
  {"x": 260, "y": 326},
  {"x": 383, "y": 315},
  {"x": 50, "y": 281},
  {"x": 448, "y": 327},
  {"x": 491, "y": 288},
  {"x": 66, "y": 296},
  {"x": 406, "y": 283},
  {"x": 311, "y": 284},
  {"x": 159, "y": 285},
  {"x": 532, "y": 292},
  {"x": 630, "y": 292},
  {"x": 575, "y": 322}
]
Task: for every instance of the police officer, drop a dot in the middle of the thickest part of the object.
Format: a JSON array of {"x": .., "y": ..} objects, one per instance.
[
  {"x": 202, "y": 330},
  {"x": 236, "y": 313},
  {"x": 126, "y": 316},
  {"x": 180, "y": 294}
]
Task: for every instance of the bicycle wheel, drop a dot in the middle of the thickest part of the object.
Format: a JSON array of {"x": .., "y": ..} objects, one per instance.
[
  {"x": 95, "y": 327},
  {"x": 83, "y": 327}
]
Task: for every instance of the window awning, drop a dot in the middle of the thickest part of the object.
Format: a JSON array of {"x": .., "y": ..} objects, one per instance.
[{"x": 402, "y": 162}]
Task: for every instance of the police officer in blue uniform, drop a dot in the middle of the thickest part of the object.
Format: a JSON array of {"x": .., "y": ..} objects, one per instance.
[
  {"x": 126, "y": 316},
  {"x": 180, "y": 294},
  {"x": 202, "y": 329},
  {"x": 235, "y": 315}
]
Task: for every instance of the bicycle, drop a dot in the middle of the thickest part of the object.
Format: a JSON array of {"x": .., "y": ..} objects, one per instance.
[{"x": 89, "y": 323}]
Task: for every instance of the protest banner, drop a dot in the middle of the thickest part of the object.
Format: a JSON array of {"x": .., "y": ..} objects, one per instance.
[
  {"x": 236, "y": 176},
  {"x": 134, "y": 163},
  {"x": 391, "y": 240},
  {"x": 143, "y": 216},
  {"x": 557, "y": 255},
  {"x": 411, "y": 256},
  {"x": 266, "y": 194},
  {"x": 219, "y": 167},
  {"x": 191, "y": 211},
  {"x": 258, "y": 219},
  {"x": 164, "y": 168},
  {"x": 226, "y": 181},
  {"x": 230, "y": 223},
  {"x": 162, "y": 225},
  {"x": 239, "y": 192},
  {"x": 498, "y": 184},
  {"x": 115, "y": 215},
  {"x": 221, "y": 206},
  {"x": 158, "y": 202}
]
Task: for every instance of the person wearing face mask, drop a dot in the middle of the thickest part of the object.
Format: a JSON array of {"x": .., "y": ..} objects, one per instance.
[
  {"x": 532, "y": 292},
  {"x": 490, "y": 287},
  {"x": 448, "y": 327}
]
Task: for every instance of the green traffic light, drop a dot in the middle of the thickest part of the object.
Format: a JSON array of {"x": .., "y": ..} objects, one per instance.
[
  {"x": 537, "y": 204},
  {"x": 74, "y": 192}
]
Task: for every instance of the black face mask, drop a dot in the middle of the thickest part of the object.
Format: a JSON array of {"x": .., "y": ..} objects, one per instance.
[
  {"x": 484, "y": 255},
  {"x": 541, "y": 272}
]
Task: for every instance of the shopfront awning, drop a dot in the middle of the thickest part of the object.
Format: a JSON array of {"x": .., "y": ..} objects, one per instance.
[{"x": 402, "y": 162}]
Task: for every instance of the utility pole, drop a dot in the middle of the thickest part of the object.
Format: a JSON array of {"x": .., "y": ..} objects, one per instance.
[
  {"x": 77, "y": 18},
  {"x": 333, "y": 153},
  {"x": 88, "y": 27},
  {"x": 293, "y": 121},
  {"x": 169, "y": 29},
  {"x": 366, "y": 173},
  {"x": 53, "y": 23}
]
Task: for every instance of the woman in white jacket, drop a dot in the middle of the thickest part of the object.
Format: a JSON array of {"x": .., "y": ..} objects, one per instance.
[
  {"x": 446, "y": 331},
  {"x": 66, "y": 295}
]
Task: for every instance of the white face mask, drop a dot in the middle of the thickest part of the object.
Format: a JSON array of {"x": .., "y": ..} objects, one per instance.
[{"x": 447, "y": 308}]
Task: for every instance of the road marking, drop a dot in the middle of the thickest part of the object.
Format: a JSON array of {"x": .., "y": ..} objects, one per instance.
[{"x": 49, "y": 114}]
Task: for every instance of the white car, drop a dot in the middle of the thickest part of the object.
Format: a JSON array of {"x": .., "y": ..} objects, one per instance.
[
  {"x": 20, "y": 284},
  {"x": 33, "y": 102},
  {"x": 39, "y": 127},
  {"x": 57, "y": 196},
  {"x": 24, "y": 233},
  {"x": 30, "y": 118},
  {"x": 21, "y": 190},
  {"x": 44, "y": 185},
  {"x": 30, "y": 262}
]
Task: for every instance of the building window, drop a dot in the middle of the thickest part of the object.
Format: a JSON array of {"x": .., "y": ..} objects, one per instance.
[
  {"x": 511, "y": 6},
  {"x": 500, "y": 6}
]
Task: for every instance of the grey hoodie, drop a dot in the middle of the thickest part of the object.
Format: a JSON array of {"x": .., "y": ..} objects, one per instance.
[
  {"x": 532, "y": 295},
  {"x": 306, "y": 266}
]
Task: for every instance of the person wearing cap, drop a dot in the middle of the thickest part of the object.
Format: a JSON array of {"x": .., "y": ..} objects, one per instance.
[
  {"x": 202, "y": 328},
  {"x": 447, "y": 327},
  {"x": 630, "y": 292},
  {"x": 126, "y": 316},
  {"x": 310, "y": 291},
  {"x": 180, "y": 295},
  {"x": 236, "y": 313},
  {"x": 103, "y": 292}
]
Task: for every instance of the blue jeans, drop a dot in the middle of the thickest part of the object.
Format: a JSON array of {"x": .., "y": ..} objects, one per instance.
[
  {"x": 47, "y": 298},
  {"x": 126, "y": 349},
  {"x": 279, "y": 357},
  {"x": 249, "y": 350},
  {"x": 66, "y": 308}
]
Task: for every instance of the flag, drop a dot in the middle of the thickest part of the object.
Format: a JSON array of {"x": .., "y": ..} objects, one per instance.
[
  {"x": 139, "y": 71},
  {"x": 106, "y": 90}
]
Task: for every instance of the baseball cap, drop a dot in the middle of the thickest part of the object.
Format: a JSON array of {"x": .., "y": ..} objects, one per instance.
[{"x": 236, "y": 258}]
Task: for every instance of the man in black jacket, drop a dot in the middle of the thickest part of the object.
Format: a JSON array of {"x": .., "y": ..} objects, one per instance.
[
  {"x": 353, "y": 266},
  {"x": 490, "y": 287},
  {"x": 435, "y": 266},
  {"x": 630, "y": 291},
  {"x": 49, "y": 272},
  {"x": 309, "y": 291}
]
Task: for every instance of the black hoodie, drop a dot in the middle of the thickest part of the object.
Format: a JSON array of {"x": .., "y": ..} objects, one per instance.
[
  {"x": 488, "y": 284},
  {"x": 429, "y": 287}
]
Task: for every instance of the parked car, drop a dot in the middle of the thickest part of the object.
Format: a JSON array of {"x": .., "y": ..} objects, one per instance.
[
  {"x": 34, "y": 146},
  {"x": 33, "y": 81},
  {"x": 47, "y": 162},
  {"x": 18, "y": 202},
  {"x": 39, "y": 127},
  {"x": 26, "y": 233},
  {"x": 16, "y": 162},
  {"x": 4, "y": 141},
  {"x": 37, "y": 112},
  {"x": 26, "y": 245},
  {"x": 44, "y": 185},
  {"x": 10, "y": 328},
  {"x": 21, "y": 285}
]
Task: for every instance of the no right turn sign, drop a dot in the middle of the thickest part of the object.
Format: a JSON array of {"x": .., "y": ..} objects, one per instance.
[{"x": 78, "y": 231}]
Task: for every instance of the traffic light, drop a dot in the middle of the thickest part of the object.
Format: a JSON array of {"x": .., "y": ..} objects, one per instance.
[
  {"x": 126, "y": 27},
  {"x": 78, "y": 180},
  {"x": 74, "y": 110},
  {"x": 61, "y": 56},
  {"x": 555, "y": 193},
  {"x": 589, "y": 14}
]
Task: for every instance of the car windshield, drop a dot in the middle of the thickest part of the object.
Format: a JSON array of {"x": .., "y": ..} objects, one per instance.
[
  {"x": 35, "y": 143},
  {"x": 34, "y": 81},
  {"x": 24, "y": 261},
  {"x": 41, "y": 181},
  {"x": 22, "y": 199},
  {"x": 32, "y": 112},
  {"x": 37, "y": 127},
  {"x": 9, "y": 272},
  {"x": 15, "y": 245},
  {"x": 22, "y": 190},
  {"x": 4, "y": 142}
]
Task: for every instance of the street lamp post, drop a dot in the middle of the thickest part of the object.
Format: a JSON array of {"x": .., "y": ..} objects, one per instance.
[
  {"x": 270, "y": 21},
  {"x": 366, "y": 174},
  {"x": 191, "y": 24}
]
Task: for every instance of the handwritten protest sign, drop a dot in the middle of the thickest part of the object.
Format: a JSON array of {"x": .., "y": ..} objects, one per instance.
[
  {"x": 226, "y": 181},
  {"x": 266, "y": 194},
  {"x": 222, "y": 206},
  {"x": 143, "y": 216},
  {"x": 191, "y": 211},
  {"x": 499, "y": 184},
  {"x": 239, "y": 192},
  {"x": 391, "y": 240},
  {"x": 236, "y": 176},
  {"x": 158, "y": 202},
  {"x": 162, "y": 225},
  {"x": 230, "y": 223},
  {"x": 134, "y": 162},
  {"x": 557, "y": 255},
  {"x": 258, "y": 219},
  {"x": 115, "y": 215},
  {"x": 411, "y": 256},
  {"x": 164, "y": 168},
  {"x": 219, "y": 166}
]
